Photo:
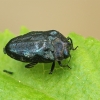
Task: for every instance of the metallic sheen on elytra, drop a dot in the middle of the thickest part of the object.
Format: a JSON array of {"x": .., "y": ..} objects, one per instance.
[{"x": 40, "y": 47}]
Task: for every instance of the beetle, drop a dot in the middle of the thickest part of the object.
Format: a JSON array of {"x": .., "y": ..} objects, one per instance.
[{"x": 40, "y": 47}]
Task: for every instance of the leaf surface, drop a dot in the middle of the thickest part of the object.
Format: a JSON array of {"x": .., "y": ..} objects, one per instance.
[{"x": 81, "y": 82}]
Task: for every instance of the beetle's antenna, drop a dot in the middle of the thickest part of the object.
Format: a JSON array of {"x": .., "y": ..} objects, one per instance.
[
  {"x": 75, "y": 48},
  {"x": 72, "y": 44}
]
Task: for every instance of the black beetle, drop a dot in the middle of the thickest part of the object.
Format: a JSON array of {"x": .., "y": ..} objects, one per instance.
[{"x": 40, "y": 47}]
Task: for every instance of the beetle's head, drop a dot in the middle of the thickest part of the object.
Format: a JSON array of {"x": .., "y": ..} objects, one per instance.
[{"x": 67, "y": 47}]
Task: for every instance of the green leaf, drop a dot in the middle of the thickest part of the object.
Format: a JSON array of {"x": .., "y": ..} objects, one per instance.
[{"x": 81, "y": 82}]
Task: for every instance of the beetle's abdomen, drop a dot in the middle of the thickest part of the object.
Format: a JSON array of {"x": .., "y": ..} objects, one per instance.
[{"x": 30, "y": 51}]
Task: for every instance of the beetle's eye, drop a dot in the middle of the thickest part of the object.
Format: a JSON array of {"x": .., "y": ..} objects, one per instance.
[{"x": 65, "y": 52}]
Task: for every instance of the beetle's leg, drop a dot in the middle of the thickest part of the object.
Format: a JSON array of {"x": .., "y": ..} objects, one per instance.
[
  {"x": 52, "y": 67},
  {"x": 59, "y": 62},
  {"x": 30, "y": 65},
  {"x": 69, "y": 58}
]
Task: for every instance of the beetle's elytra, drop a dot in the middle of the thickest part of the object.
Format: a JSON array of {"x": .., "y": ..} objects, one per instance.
[{"x": 40, "y": 47}]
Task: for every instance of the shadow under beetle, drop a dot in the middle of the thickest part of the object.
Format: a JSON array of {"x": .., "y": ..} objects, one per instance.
[
  {"x": 40, "y": 47},
  {"x": 6, "y": 71}
]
